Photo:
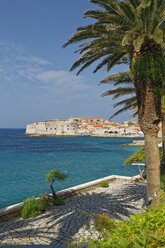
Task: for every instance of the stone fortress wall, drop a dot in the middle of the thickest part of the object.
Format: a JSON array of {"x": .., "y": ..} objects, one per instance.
[
  {"x": 94, "y": 126},
  {"x": 53, "y": 127}
]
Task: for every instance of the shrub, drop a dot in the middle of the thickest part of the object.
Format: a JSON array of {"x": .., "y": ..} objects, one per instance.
[
  {"x": 104, "y": 184},
  {"x": 31, "y": 208},
  {"x": 162, "y": 181},
  {"x": 139, "y": 156},
  {"x": 58, "y": 201},
  {"x": 45, "y": 200},
  {"x": 141, "y": 230}
]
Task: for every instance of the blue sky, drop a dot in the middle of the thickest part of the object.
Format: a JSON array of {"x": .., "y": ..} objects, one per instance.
[{"x": 35, "y": 80}]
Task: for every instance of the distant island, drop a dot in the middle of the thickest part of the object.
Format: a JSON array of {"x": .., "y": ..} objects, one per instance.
[{"x": 95, "y": 126}]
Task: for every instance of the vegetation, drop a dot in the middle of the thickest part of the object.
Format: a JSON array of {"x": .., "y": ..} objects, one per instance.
[
  {"x": 58, "y": 201},
  {"x": 140, "y": 156},
  {"x": 162, "y": 180},
  {"x": 136, "y": 157},
  {"x": 104, "y": 184},
  {"x": 141, "y": 230},
  {"x": 45, "y": 199},
  {"x": 131, "y": 32},
  {"x": 51, "y": 177},
  {"x": 125, "y": 88},
  {"x": 126, "y": 79},
  {"x": 33, "y": 207}
]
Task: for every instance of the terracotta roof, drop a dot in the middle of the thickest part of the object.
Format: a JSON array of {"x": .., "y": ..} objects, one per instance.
[
  {"x": 85, "y": 126},
  {"x": 115, "y": 125}
]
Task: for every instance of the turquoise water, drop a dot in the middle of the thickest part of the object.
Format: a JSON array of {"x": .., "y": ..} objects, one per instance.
[{"x": 24, "y": 161}]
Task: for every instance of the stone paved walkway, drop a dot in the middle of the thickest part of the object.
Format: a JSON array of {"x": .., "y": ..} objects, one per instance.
[{"x": 70, "y": 222}]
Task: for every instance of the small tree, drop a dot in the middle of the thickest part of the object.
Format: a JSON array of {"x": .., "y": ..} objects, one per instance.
[
  {"x": 139, "y": 156},
  {"x": 51, "y": 177}
]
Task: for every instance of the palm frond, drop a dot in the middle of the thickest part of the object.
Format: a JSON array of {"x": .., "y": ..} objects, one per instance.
[
  {"x": 118, "y": 92},
  {"x": 114, "y": 59},
  {"x": 122, "y": 110},
  {"x": 126, "y": 102},
  {"x": 106, "y": 4},
  {"x": 118, "y": 78}
]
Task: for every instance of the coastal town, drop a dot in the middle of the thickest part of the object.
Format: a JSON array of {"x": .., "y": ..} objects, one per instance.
[{"x": 94, "y": 126}]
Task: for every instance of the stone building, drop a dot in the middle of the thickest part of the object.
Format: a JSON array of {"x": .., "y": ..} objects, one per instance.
[
  {"x": 94, "y": 126},
  {"x": 53, "y": 127}
]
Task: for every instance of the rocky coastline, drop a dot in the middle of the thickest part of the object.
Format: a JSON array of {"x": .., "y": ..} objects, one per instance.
[{"x": 139, "y": 143}]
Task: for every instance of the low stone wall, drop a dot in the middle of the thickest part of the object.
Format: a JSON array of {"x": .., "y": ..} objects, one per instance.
[{"x": 14, "y": 210}]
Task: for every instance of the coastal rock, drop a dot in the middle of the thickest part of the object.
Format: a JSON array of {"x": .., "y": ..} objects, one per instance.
[{"x": 135, "y": 143}]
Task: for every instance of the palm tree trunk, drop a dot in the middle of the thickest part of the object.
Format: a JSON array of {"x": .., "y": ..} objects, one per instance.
[
  {"x": 149, "y": 118},
  {"x": 163, "y": 129},
  {"x": 163, "y": 145},
  {"x": 153, "y": 169}
]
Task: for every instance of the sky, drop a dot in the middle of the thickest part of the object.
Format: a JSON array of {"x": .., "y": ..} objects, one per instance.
[{"x": 35, "y": 79}]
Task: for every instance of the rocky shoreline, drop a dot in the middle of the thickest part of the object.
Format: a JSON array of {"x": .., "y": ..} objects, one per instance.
[
  {"x": 139, "y": 143},
  {"x": 76, "y": 135}
]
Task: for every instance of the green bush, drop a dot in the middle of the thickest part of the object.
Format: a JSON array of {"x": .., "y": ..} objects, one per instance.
[
  {"x": 144, "y": 230},
  {"x": 136, "y": 157},
  {"x": 32, "y": 207},
  {"x": 104, "y": 184},
  {"x": 46, "y": 200},
  {"x": 58, "y": 201},
  {"x": 162, "y": 181},
  {"x": 139, "y": 156}
]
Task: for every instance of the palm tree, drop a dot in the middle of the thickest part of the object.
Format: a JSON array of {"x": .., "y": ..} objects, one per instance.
[
  {"x": 130, "y": 32},
  {"x": 119, "y": 79},
  {"x": 131, "y": 103}
]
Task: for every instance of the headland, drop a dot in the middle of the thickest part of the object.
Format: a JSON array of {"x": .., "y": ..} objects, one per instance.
[{"x": 94, "y": 126}]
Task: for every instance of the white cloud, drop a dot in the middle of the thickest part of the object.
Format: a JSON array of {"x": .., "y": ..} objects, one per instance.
[
  {"x": 10, "y": 53},
  {"x": 63, "y": 79},
  {"x": 16, "y": 65},
  {"x": 33, "y": 60}
]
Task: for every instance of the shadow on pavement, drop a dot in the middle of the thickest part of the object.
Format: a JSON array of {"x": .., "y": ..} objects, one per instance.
[{"x": 73, "y": 221}]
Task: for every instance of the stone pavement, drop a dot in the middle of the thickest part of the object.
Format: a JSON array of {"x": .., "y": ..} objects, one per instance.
[{"x": 71, "y": 222}]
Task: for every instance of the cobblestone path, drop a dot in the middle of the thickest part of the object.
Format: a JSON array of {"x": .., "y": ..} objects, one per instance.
[{"x": 70, "y": 222}]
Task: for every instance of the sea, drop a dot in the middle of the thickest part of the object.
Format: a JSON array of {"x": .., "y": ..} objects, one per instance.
[{"x": 25, "y": 160}]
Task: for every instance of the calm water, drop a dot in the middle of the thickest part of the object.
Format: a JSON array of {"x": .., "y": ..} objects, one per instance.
[{"x": 25, "y": 160}]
